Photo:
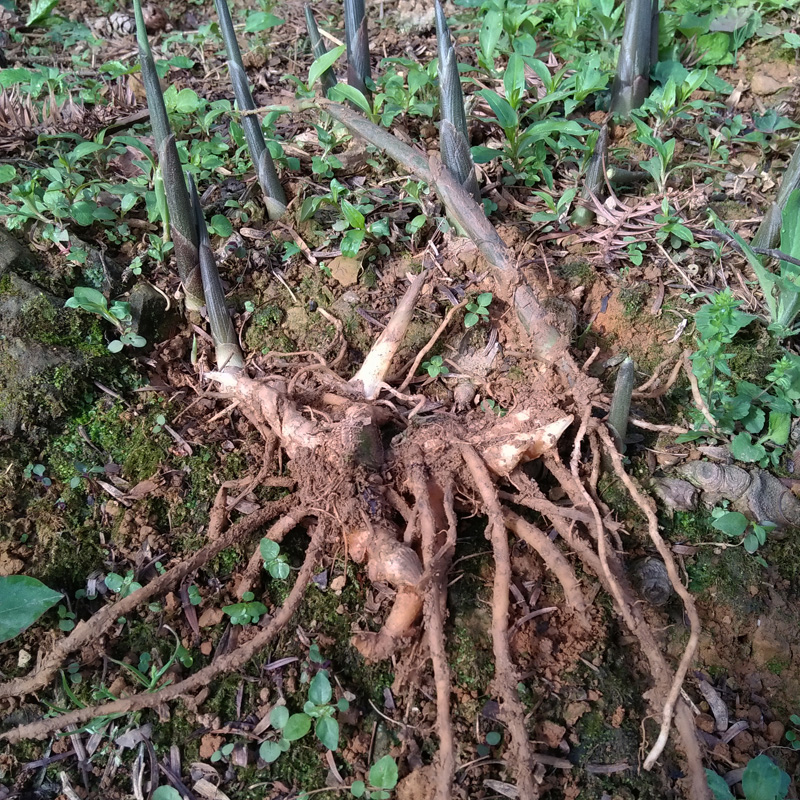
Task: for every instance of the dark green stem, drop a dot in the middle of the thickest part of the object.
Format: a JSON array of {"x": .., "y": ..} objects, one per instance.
[
  {"x": 328, "y": 78},
  {"x": 259, "y": 153},
  {"x": 357, "y": 40},
  {"x": 639, "y": 42}
]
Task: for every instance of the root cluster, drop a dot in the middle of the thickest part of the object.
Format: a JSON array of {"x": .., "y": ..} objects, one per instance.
[{"x": 391, "y": 481}]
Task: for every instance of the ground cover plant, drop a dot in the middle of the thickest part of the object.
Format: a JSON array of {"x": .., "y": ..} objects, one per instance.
[{"x": 407, "y": 411}]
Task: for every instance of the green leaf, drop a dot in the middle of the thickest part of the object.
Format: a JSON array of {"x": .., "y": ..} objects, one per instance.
[
  {"x": 483, "y": 155},
  {"x": 493, "y": 738},
  {"x": 485, "y": 299},
  {"x": 353, "y": 216},
  {"x": 297, "y": 726},
  {"x": 269, "y": 751},
  {"x": 718, "y": 786},
  {"x": 351, "y": 242},
  {"x": 261, "y": 21},
  {"x": 221, "y": 225},
  {"x": 279, "y": 570},
  {"x": 278, "y": 717},
  {"x": 319, "y": 690},
  {"x": 490, "y": 34},
  {"x": 514, "y": 79},
  {"x": 85, "y": 149},
  {"x": 40, "y": 11},
  {"x": 506, "y": 116},
  {"x": 779, "y": 427},
  {"x": 731, "y": 523},
  {"x": 166, "y": 793},
  {"x": 383, "y": 773},
  {"x": 357, "y": 788},
  {"x": 352, "y": 94},
  {"x": 714, "y": 49},
  {"x": 22, "y": 601},
  {"x": 763, "y": 779},
  {"x": 184, "y": 102},
  {"x": 7, "y": 173},
  {"x": 269, "y": 550},
  {"x": 743, "y": 449},
  {"x": 324, "y": 63},
  {"x": 327, "y": 730},
  {"x": 470, "y": 319},
  {"x": 751, "y": 543}
]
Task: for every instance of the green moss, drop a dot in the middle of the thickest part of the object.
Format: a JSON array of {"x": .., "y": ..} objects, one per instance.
[
  {"x": 578, "y": 273},
  {"x": 777, "y": 665},
  {"x": 633, "y": 299}
]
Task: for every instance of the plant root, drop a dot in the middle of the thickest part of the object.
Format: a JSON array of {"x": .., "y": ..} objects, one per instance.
[
  {"x": 437, "y": 564},
  {"x": 511, "y": 709},
  {"x": 227, "y": 663},
  {"x": 99, "y": 624}
]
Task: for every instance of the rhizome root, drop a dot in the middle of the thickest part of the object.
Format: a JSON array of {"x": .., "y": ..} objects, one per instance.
[{"x": 389, "y": 480}]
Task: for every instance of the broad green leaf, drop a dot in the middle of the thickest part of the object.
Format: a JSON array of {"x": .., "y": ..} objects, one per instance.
[
  {"x": 790, "y": 229},
  {"x": 763, "y": 779},
  {"x": 261, "y": 21},
  {"x": 279, "y": 570},
  {"x": 324, "y": 63},
  {"x": 714, "y": 49},
  {"x": 493, "y": 738},
  {"x": 221, "y": 225},
  {"x": 352, "y": 94},
  {"x": 490, "y": 34},
  {"x": 751, "y": 543},
  {"x": 514, "y": 79},
  {"x": 506, "y": 116},
  {"x": 10, "y": 77},
  {"x": 731, "y": 523},
  {"x": 22, "y": 601},
  {"x": 7, "y": 173},
  {"x": 184, "y": 101},
  {"x": 383, "y": 773},
  {"x": 327, "y": 731},
  {"x": 718, "y": 786},
  {"x": 278, "y": 717},
  {"x": 319, "y": 690},
  {"x": 166, "y": 793},
  {"x": 269, "y": 550},
  {"x": 40, "y": 11},
  {"x": 353, "y": 216},
  {"x": 297, "y": 726},
  {"x": 779, "y": 427},
  {"x": 483, "y": 155},
  {"x": 357, "y": 788},
  {"x": 351, "y": 242},
  {"x": 743, "y": 449},
  {"x": 269, "y": 751}
]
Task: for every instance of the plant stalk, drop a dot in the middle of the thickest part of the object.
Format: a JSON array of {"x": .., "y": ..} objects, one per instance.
[
  {"x": 183, "y": 232},
  {"x": 639, "y": 48},
  {"x": 226, "y": 344},
  {"x": 274, "y": 196},
  {"x": 357, "y": 40},
  {"x": 621, "y": 404},
  {"x": 328, "y": 78}
]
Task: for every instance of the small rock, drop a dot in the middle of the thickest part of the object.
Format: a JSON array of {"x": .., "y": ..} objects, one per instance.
[
  {"x": 551, "y": 733},
  {"x": 211, "y": 616},
  {"x": 13, "y": 256},
  {"x": 574, "y": 712},
  {"x": 345, "y": 270},
  {"x": 209, "y": 745},
  {"x": 149, "y": 315},
  {"x": 765, "y": 84},
  {"x": 776, "y": 731},
  {"x": 705, "y": 722},
  {"x": 206, "y": 648},
  {"x": 754, "y": 715}
]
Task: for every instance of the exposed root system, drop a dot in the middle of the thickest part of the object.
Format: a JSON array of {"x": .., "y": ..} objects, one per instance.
[{"x": 389, "y": 480}]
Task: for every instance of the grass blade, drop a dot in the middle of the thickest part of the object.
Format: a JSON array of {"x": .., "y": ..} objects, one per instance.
[
  {"x": 226, "y": 344},
  {"x": 183, "y": 232},
  {"x": 328, "y": 77},
  {"x": 259, "y": 153},
  {"x": 639, "y": 39}
]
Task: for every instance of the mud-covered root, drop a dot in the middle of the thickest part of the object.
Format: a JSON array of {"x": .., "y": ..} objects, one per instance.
[{"x": 388, "y": 560}]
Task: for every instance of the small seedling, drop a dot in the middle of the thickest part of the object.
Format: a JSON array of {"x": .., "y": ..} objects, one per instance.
[
  {"x": 736, "y": 524},
  {"x": 161, "y": 421},
  {"x": 122, "y": 586},
  {"x": 435, "y": 367},
  {"x": 118, "y": 314},
  {"x": 492, "y": 739},
  {"x": 382, "y": 779},
  {"x": 36, "y": 472},
  {"x": 793, "y": 735},
  {"x": 762, "y": 779},
  {"x": 247, "y": 612},
  {"x": 66, "y": 619},
  {"x": 274, "y": 562},
  {"x": 477, "y": 309}
]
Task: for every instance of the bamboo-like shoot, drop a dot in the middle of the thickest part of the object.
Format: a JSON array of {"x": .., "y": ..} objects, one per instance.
[
  {"x": 454, "y": 136},
  {"x": 226, "y": 344},
  {"x": 621, "y": 404},
  {"x": 328, "y": 78},
  {"x": 184, "y": 235},
  {"x": 356, "y": 35},
  {"x": 639, "y": 44},
  {"x": 274, "y": 196},
  {"x": 768, "y": 234}
]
